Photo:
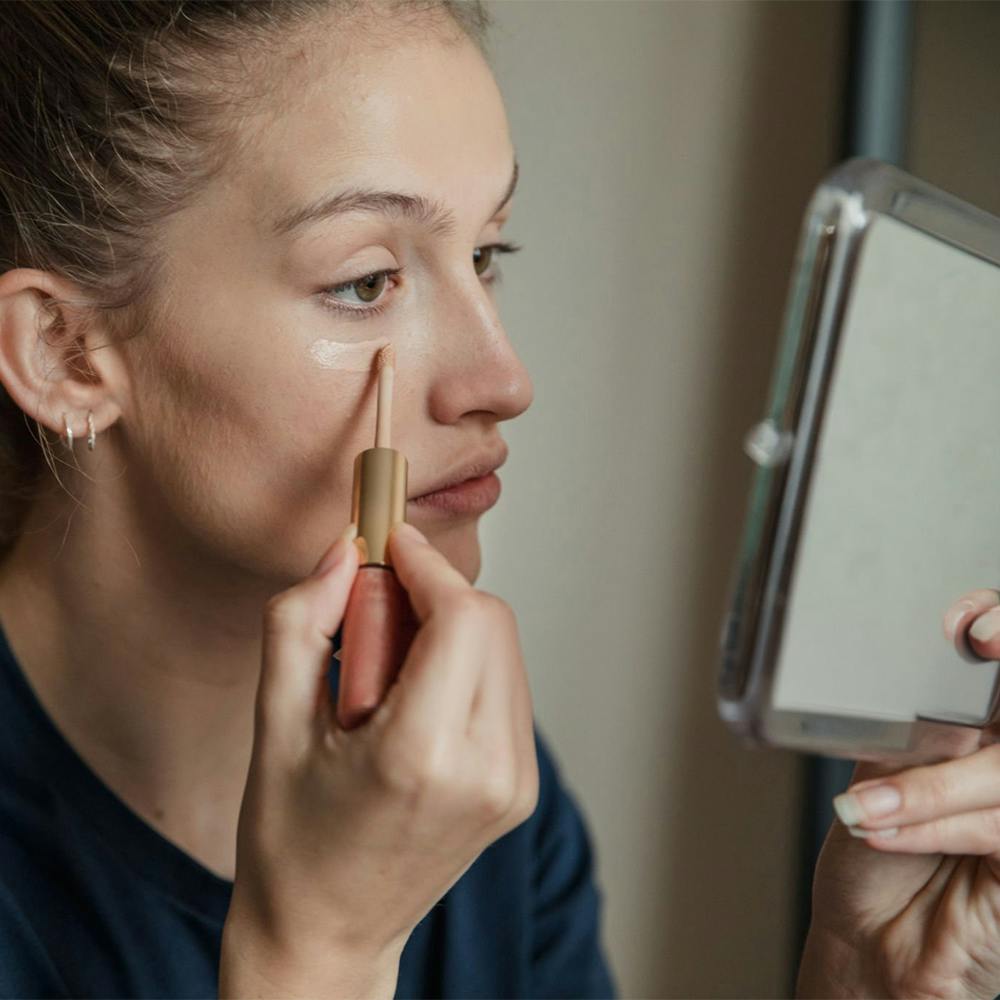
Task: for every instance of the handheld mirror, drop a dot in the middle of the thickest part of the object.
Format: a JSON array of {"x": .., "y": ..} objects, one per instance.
[{"x": 876, "y": 499}]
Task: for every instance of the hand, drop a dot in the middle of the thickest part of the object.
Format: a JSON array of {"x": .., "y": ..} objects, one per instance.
[
  {"x": 346, "y": 839},
  {"x": 906, "y": 897}
]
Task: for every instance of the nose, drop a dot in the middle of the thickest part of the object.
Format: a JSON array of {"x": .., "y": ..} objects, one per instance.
[{"x": 477, "y": 369}]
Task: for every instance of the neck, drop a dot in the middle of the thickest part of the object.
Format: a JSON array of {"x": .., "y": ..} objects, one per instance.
[{"x": 146, "y": 655}]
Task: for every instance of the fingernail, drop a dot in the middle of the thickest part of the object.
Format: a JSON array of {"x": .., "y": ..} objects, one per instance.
[
  {"x": 869, "y": 803},
  {"x": 336, "y": 552},
  {"x": 856, "y": 831},
  {"x": 953, "y": 615},
  {"x": 407, "y": 530},
  {"x": 985, "y": 627}
]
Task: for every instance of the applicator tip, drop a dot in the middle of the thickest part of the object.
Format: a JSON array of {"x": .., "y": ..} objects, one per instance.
[{"x": 386, "y": 356}]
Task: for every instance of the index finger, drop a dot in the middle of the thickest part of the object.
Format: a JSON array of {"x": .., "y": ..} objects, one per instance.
[{"x": 932, "y": 791}]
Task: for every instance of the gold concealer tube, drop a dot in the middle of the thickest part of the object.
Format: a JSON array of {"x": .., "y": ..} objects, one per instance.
[{"x": 378, "y": 622}]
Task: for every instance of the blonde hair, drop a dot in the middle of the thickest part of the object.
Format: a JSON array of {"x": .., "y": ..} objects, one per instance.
[{"x": 113, "y": 114}]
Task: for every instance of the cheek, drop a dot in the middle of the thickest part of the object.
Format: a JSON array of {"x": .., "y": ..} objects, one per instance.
[{"x": 252, "y": 462}]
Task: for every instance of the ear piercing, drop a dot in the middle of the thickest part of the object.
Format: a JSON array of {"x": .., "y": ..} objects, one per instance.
[{"x": 67, "y": 439}]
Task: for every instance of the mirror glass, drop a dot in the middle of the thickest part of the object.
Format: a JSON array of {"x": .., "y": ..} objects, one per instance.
[{"x": 906, "y": 468}]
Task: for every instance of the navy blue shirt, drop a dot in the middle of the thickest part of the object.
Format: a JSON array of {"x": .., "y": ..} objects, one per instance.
[{"x": 94, "y": 902}]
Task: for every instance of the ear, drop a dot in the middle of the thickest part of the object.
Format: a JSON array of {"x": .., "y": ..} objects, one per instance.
[{"x": 49, "y": 362}]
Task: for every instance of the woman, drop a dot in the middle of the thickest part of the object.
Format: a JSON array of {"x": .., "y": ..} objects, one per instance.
[
  {"x": 196, "y": 275},
  {"x": 165, "y": 298}
]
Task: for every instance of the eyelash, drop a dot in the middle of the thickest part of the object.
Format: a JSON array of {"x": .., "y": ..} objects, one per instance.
[{"x": 357, "y": 312}]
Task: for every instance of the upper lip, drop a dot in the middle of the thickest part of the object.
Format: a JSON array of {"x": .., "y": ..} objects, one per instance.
[{"x": 483, "y": 464}]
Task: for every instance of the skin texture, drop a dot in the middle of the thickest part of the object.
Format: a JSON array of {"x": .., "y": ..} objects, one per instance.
[
  {"x": 916, "y": 914},
  {"x": 138, "y": 619}
]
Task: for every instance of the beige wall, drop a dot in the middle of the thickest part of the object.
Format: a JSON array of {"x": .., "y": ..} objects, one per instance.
[
  {"x": 954, "y": 131},
  {"x": 667, "y": 150}
]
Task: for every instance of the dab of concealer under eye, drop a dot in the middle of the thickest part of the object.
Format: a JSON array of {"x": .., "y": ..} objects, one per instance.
[{"x": 345, "y": 357}]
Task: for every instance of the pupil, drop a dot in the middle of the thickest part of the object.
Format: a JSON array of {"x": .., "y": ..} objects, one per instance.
[{"x": 368, "y": 289}]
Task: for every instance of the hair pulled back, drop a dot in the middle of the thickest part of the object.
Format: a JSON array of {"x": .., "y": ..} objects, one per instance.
[{"x": 113, "y": 114}]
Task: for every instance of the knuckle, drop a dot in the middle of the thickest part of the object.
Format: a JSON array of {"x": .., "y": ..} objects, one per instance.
[
  {"x": 498, "y": 608},
  {"x": 283, "y": 612},
  {"x": 479, "y": 605},
  {"x": 497, "y": 794},
  {"x": 393, "y": 770},
  {"x": 412, "y": 772},
  {"x": 386, "y": 766},
  {"x": 434, "y": 768},
  {"x": 933, "y": 792},
  {"x": 506, "y": 619},
  {"x": 464, "y": 604},
  {"x": 496, "y": 618}
]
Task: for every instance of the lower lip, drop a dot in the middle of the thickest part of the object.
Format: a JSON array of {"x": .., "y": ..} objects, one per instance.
[{"x": 474, "y": 496}]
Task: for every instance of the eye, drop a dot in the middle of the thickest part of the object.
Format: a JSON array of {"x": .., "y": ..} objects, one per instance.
[
  {"x": 483, "y": 257},
  {"x": 367, "y": 289}
]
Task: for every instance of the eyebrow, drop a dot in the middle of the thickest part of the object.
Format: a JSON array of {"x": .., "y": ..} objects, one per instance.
[{"x": 397, "y": 204}]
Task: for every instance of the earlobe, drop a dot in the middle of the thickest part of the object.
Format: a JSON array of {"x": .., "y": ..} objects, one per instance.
[{"x": 46, "y": 344}]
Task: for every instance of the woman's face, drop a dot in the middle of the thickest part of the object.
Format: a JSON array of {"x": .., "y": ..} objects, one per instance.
[{"x": 248, "y": 406}]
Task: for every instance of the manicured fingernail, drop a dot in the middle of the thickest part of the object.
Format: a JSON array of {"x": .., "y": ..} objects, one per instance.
[
  {"x": 869, "y": 803},
  {"x": 954, "y": 614},
  {"x": 407, "y": 530},
  {"x": 856, "y": 831},
  {"x": 336, "y": 552},
  {"x": 985, "y": 627}
]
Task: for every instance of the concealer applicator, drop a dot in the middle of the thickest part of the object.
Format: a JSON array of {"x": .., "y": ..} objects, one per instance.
[{"x": 378, "y": 622}]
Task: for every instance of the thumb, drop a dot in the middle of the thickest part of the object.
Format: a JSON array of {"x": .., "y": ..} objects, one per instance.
[{"x": 299, "y": 624}]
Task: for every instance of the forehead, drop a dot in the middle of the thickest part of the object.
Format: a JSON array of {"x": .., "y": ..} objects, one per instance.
[{"x": 422, "y": 114}]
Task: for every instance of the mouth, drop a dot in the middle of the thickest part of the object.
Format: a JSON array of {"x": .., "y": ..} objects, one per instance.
[{"x": 471, "y": 488}]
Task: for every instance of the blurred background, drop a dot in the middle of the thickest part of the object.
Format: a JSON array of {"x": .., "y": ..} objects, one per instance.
[{"x": 668, "y": 149}]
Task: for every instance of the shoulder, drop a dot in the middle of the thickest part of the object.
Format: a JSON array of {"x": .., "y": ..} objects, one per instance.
[
  {"x": 559, "y": 818},
  {"x": 567, "y": 901},
  {"x": 559, "y": 812}
]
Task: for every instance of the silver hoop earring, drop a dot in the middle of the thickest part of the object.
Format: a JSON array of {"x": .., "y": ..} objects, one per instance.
[
  {"x": 68, "y": 442},
  {"x": 91, "y": 435}
]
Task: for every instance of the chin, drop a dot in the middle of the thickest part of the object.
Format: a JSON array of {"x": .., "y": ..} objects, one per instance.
[{"x": 459, "y": 544}]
